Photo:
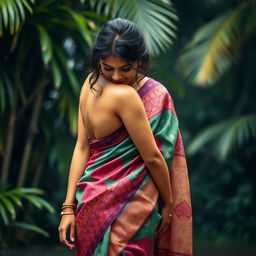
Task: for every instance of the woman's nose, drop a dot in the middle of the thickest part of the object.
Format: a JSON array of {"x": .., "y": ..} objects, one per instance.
[{"x": 116, "y": 76}]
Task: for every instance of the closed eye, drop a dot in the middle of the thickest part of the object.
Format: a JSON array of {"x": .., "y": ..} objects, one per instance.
[
  {"x": 126, "y": 69},
  {"x": 108, "y": 69},
  {"x": 122, "y": 69}
]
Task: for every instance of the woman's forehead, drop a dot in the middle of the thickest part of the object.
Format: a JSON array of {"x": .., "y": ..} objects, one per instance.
[{"x": 114, "y": 61}]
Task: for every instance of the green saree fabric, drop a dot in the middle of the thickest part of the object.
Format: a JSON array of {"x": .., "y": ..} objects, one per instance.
[{"x": 118, "y": 204}]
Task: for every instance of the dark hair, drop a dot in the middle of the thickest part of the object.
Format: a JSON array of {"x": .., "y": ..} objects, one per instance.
[{"x": 122, "y": 38}]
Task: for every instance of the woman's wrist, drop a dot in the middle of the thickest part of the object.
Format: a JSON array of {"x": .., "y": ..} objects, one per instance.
[
  {"x": 68, "y": 202},
  {"x": 168, "y": 203},
  {"x": 68, "y": 210},
  {"x": 68, "y": 207}
]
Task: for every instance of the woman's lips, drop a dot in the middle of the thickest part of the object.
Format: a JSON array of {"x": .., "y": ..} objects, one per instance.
[{"x": 118, "y": 82}]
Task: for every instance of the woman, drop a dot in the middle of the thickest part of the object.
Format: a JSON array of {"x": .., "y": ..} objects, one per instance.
[{"x": 128, "y": 143}]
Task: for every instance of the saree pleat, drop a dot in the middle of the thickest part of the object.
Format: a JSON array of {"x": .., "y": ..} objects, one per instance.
[{"x": 118, "y": 203}]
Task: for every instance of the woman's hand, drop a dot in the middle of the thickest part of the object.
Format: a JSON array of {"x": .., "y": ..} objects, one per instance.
[
  {"x": 67, "y": 223},
  {"x": 166, "y": 219}
]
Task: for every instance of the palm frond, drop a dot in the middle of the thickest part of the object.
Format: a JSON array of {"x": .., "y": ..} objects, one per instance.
[
  {"x": 154, "y": 18},
  {"x": 215, "y": 46},
  {"x": 12, "y": 14},
  {"x": 12, "y": 198},
  {"x": 225, "y": 136},
  {"x": 81, "y": 22},
  {"x": 31, "y": 227}
]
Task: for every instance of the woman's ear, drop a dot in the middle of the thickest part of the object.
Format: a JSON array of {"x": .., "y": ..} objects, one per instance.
[{"x": 100, "y": 70}]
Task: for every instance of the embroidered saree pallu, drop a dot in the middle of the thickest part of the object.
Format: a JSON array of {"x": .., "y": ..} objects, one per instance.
[{"x": 117, "y": 202}]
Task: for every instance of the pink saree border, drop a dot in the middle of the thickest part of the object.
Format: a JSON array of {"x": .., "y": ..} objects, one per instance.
[
  {"x": 111, "y": 218},
  {"x": 145, "y": 201}
]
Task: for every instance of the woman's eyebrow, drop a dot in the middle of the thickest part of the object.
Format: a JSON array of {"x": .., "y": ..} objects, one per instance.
[{"x": 112, "y": 67}]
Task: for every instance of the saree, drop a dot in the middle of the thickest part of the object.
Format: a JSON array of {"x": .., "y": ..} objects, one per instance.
[{"x": 118, "y": 205}]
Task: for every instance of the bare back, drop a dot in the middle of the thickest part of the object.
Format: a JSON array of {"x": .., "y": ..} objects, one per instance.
[{"x": 99, "y": 111}]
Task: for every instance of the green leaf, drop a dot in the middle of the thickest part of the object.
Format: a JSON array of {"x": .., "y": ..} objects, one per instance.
[
  {"x": 31, "y": 227},
  {"x": 18, "y": 20},
  {"x": 45, "y": 204},
  {"x": 81, "y": 22},
  {"x": 39, "y": 202},
  {"x": 9, "y": 206},
  {"x": 25, "y": 2},
  {"x": 4, "y": 12},
  {"x": 3, "y": 214},
  {"x": 23, "y": 190},
  {"x": 70, "y": 74},
  {"x": 46, "y": 45},
  {"x": 94, "y": 16},
  {"x": 34, "y": 200},
  {"x": 56, "y": 72},
  {"x": 10, "y": 8},
  {"x": 21, "y": 10},
  {"x": 14, "y": 198}
]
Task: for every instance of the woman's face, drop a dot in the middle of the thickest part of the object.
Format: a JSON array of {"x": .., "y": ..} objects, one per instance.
[{"x": 118, "y": 71}]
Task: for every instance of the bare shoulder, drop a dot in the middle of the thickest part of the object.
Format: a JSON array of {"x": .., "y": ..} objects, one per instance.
[{"x": 122, "y": 92}]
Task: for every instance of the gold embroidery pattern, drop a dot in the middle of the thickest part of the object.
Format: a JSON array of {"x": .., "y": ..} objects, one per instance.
[{"x": 155, "y": 99}]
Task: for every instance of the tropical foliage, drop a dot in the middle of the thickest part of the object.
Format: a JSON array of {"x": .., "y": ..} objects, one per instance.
[
  {"x": 13, "y": 15},
  {"x": 217, "y": 44},
  {"x": 219, "y": 120},
  {"x": 155, "y": 19},
  {"x": 44, "y": 50},
  {"x": 226, "y": 135},
  {"x": 12, "y": 205},
  {"x": 206, "y": 57},
  {"x": 9, "y": 199}
]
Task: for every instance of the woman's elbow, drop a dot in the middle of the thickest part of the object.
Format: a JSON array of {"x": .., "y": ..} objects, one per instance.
[{"x": 154, "y": 159}]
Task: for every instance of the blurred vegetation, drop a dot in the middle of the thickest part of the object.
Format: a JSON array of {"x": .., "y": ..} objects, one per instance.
[{"x": 209, "y": 71}]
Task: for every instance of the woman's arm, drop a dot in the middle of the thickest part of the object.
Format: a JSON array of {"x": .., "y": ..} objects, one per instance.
[
  {"x": 80, "y": 155},
  {"x": 78, "y": 162},
  {"x": 132, "y": 112}
]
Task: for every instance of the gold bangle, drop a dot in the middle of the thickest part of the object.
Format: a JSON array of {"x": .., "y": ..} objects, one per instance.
[
  {"x": 67, "y": 213},
  {"x": 67, "y": 206}
]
